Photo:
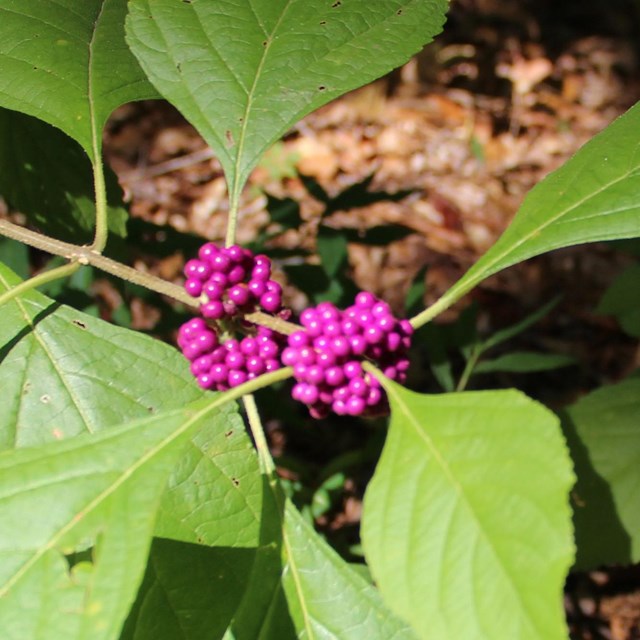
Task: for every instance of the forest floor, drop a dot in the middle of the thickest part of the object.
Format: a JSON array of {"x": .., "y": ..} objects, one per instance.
[{"x": 462, "y": 132}]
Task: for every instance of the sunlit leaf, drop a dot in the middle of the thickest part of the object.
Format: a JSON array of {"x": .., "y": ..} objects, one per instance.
[
  {"x": 466, "y": 525},
  {"x": 63, "y": 372},
  {"x": 594, "y": 196},
  {"x": 99, "y": 491}
]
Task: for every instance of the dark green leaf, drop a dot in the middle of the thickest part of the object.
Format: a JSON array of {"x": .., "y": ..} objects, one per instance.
[
  {"x": 333, "y": 251},
  {"x": 524, "y": 362},
  {"x": 66, "y": 62},
  {"x": 243, "y": 73},
  {"x": 603, "y": 430},
  {"x": 47, "y": 176},
  {"x": 622, "y": 300},
  {"x": 509, "y": 332}
]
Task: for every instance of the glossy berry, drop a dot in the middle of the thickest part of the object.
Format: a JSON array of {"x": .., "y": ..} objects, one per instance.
[
  {"x": 231, "y": 281},
  {"x": 327, "y": 356},
  {"x": 221, "y": 366}
]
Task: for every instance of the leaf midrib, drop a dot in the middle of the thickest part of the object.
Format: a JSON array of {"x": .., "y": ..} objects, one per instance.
[{"x": 237, "y": 187}]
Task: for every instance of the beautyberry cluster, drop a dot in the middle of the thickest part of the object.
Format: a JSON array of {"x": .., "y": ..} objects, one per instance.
[
  {"x": 223, "y": 365},
  {"x": 327, "y": 356},
  {"x": 232, "y": 280}
]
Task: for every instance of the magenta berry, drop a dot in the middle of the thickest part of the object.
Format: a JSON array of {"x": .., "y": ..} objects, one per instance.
[
  {"x": 327, "y": 356},
  {"x": 222, "y": 366},
  {"x": 234, "y": 277}
]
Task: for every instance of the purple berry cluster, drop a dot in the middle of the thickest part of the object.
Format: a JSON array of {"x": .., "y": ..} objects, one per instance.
[
  {"x": 327, "y": 356},
  {"x": 223, "y": 365},
  {"x": 232, "y": 280}
]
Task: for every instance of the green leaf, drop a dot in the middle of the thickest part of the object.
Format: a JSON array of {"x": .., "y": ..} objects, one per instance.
[
  {"x": 326, "y": 598},
  {"x": 66, "y": 62},
  {"x": 509, "y": 332},
  {"x": 603, "y": 431},
  {"x": 333, "y": 250},
  {"x": 99, "y": 491},
  {"x": 63, "y": 372},
  {"x": 293, "y": 585},
  {"x": 47, "y": 176},
  {"x": 214, "y": 496},
  {"x": 622, "y": 300},
  {"x": 466, "y": 525},
  {"x": 16, "y": 256},
  {"x": 190, "y": 592},
  {"x": 594, "y": 196},
  {"x": 244, "y": 72},
  {"x": 524, "y": 362}
]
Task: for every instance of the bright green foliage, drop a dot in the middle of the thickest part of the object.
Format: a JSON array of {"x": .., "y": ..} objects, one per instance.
[
  {"x": 622, "y": 300},
  {"x": 63, "y": 373},
  {"x": 94, "y": 490},
  {"x": 244, "y": 72},
  {"x": 47, "y": 176},
  {"x": 466, "y": 525},
  {"x": 66, "y": 62},
  {"x": 594, "y": 196},
  {"x": 603, "y": 430},
  {"x": 214, "y": 496}
]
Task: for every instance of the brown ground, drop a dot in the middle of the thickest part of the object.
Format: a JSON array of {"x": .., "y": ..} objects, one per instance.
[{"x": 508, "y": 93}]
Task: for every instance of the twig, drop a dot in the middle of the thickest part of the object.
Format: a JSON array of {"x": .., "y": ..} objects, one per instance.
[{"x": 42, "y": 278}]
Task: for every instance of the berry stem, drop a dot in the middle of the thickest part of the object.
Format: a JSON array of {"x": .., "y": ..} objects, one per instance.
[
  {"x": 232, "y": 220},
  {"x": 42, "y": 278},
  {"x": 257, "y": 431},
  {"x": 272, "y": 322},
  {"x": 375, "y": 372},
  {"x": 101, "y": 229}
]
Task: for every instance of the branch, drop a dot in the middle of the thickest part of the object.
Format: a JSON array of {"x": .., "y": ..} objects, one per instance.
[{"x": 87, "y": 256}]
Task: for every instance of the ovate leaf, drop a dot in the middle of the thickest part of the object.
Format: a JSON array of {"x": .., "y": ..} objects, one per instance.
[
  {"x": 603, "y": 430},
  {"x": 63, "y": 372},
  {"x": 466, "y": 524},
  {"x": 99, "y": 491},
  {"x": 47, "y": 176},
  {"x": 244, "y": 72},
  {"x": 66, "y": 62},
  {"x": 594, "y": 196}
]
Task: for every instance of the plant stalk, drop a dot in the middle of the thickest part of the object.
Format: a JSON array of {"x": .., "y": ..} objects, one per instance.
[
  {"x": 257, "y": 431},
  {"x": 84, "y": 255},
  {"x": 101, "y": 234},
  {"x": 42, "y": 278}
]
